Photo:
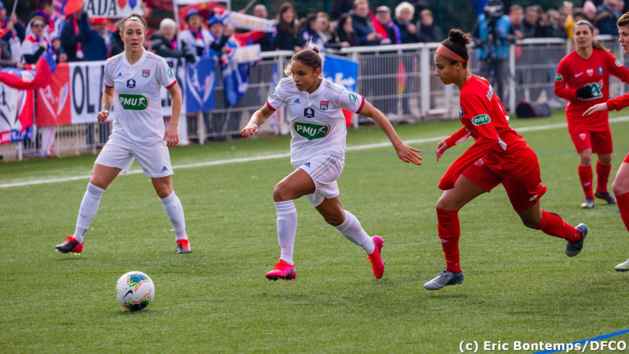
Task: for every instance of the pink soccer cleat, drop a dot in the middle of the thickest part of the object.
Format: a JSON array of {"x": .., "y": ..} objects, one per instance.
[
  {"x": 282, "y": 270},
  {"x": 376, "y": 261},
  {"x": 71, "y": 245}
]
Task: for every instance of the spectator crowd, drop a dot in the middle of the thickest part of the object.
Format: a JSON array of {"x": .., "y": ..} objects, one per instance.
[{"x": 353, "y": 23}]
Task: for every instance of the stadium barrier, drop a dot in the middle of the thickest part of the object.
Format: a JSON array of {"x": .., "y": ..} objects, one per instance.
[{"x": 397, "y": 79}]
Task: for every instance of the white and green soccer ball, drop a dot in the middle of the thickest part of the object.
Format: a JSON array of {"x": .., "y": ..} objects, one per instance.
[{"x": 135, "y": 290}]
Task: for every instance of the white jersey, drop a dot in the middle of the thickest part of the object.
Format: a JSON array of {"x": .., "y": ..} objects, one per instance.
[
  {"x": 317, "y": 121},
  {"x": 137, "y": 101}
]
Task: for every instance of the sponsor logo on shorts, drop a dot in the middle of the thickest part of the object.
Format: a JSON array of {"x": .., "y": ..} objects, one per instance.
[
  {"x": 353, "y": 97},
  {"x": 533, "y": 198},
  {"x": 130, "y": 83},
  {"x": 481, "y": 119},
  {"x": 164, "y": 169},
  {"x": 311, "y": 131},
  {"x": 132, "y": 102},
  {"x": 309, "y": 112},
  {"x": 582, "y": 136},
  {"x": 596, "y": 88},
  {"x": 307, "y": 164},
  {"x": 558, "y": 77}
]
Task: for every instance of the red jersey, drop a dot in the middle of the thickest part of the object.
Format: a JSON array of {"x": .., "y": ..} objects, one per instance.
[
  {"x": 575, "y": 72},
  {"x": 485, "y": 119}
]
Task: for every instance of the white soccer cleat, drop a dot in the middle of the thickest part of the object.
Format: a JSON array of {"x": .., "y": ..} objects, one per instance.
[{"x": 623, "y": 267}]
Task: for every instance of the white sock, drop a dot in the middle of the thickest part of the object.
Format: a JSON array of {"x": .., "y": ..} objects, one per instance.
[
  {"x": 87, "y": 211},
  {"x": 174, "y": 212},
  {"x": 286, "y": 228},
  {"x": 353, "y": 231}
]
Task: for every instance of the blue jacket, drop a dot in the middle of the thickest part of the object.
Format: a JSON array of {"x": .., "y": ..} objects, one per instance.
[{"x": 499, "y": 47}]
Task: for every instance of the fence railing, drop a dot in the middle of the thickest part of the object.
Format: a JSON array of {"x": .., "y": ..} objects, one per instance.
[{"x": 398, "y": 79}]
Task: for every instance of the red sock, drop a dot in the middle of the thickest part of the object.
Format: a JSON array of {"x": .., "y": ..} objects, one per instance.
[
  {"x": 449, "y": 233},
  {"x": 586, "y": 177},
  {"x": 623, "y": 205},
  {"x": 602, "y": 176},
  {"x": 554, "y": 225}
]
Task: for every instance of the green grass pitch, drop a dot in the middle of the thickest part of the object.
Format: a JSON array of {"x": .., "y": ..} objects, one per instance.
[{"x": 519, "y": 285}]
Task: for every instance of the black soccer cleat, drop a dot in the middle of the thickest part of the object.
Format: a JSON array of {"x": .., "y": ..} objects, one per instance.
[
  {"x": 572, "y": 249},
  {"x": 71, "y": 245},
  {"x": 606, "y": 197}
]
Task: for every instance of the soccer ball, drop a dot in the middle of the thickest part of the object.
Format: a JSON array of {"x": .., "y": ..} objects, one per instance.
[{"x": 135, "y": 290}]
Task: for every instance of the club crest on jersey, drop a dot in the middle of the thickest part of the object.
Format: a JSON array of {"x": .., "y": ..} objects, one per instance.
[
  {"x": 323, "y": 105},
  {"x": 600, "y": 70},
  {"x": 461, "y": 114},
  {"x": 146, "y": 73},
  {"x": 130, "y": 83},
  {"x": 590, "y": 72},
  {"x": 558, "y": 77},
  {"x": 481, "y": 119},
  {"x": 309, "y": 112},
  {"x": 596, "y": 88}
]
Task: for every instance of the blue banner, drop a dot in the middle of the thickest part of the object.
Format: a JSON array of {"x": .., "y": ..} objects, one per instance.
[
  {"x": 341, "y": 71},
  {"x": 200, "y": 79}
]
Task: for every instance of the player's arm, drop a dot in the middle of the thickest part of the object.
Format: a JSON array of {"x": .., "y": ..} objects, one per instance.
[
  {"x": 171, "y": 135},
  {"x": 404, "y": 152},
  {"x": 617, "y": 104},
  {"x": 257, "y": 119},
  {"x": 561, "y": 89},
  {"x": 456, "y": 138},
  {"x": 106, "y": 102}
]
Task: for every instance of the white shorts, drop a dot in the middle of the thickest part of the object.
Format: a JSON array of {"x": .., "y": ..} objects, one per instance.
[
  {"x": 324, "y": 171},
  {"x": 119, "y": 153}
]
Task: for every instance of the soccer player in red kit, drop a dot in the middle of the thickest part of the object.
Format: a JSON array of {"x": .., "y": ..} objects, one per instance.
[
  {"x": 620, "y": 187},
  {"x": 583, "y": 79},
  {"x": 498, "y": 155}
]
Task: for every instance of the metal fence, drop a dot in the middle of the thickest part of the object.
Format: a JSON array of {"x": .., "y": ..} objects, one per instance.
[{"x": 398, "y": 79}]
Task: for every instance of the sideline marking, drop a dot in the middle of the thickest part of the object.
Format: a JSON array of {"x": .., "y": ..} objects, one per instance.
[
  {"x": 278, "y": 156},
  {"x": 604, "y": 336}
]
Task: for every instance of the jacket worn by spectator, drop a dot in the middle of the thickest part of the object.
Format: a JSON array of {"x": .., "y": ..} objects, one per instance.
[
  {"x": 427, "y": 34},
  {"x": 362, "y": 28},
  {"x": 492, "y": 37},
  {"x": 71, "y": 38},
  {"x": 171, "y": 49},
  {"x": 31, "y": 50},
  {"x": 606, "y": 21},
  {"x": 287, "y": 40},
  {"x": 197, "y": 41},
  {"x": 93, "y": 45},
  {"x": 406, "y": 36},
  {"x": 346, "y": 37}
]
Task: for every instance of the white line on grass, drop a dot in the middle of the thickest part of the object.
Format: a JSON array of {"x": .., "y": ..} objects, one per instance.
[{"x": 278, "y": 156}]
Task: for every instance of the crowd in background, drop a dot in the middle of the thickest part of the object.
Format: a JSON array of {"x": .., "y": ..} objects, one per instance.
[{"x": 353, "y": 23}]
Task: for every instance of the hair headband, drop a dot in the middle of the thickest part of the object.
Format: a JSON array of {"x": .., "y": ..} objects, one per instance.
[
  {"x": 446, "y": 52},
  {"x": 133, "y": 18}
]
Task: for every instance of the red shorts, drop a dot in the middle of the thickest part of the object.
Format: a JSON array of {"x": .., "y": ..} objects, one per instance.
[
  {"x": 523, "y": 190},
  {"x": 599, "y": 142},
  {"x": 626, "y": 159}
]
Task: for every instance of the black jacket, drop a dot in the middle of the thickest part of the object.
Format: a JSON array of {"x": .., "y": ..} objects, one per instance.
[
  {"x": 286, "y": 40},
  {"x": 162, "y": 47}
]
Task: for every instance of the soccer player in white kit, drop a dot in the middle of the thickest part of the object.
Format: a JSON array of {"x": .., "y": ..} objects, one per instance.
[
  {"x": 318, "y": 155},
  {"x": 133, "y": 81}
]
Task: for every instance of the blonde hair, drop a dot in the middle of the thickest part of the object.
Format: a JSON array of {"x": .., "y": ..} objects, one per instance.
[
  {"x": 132, "y": 17},
  {"x": 404, "y": 6}
]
